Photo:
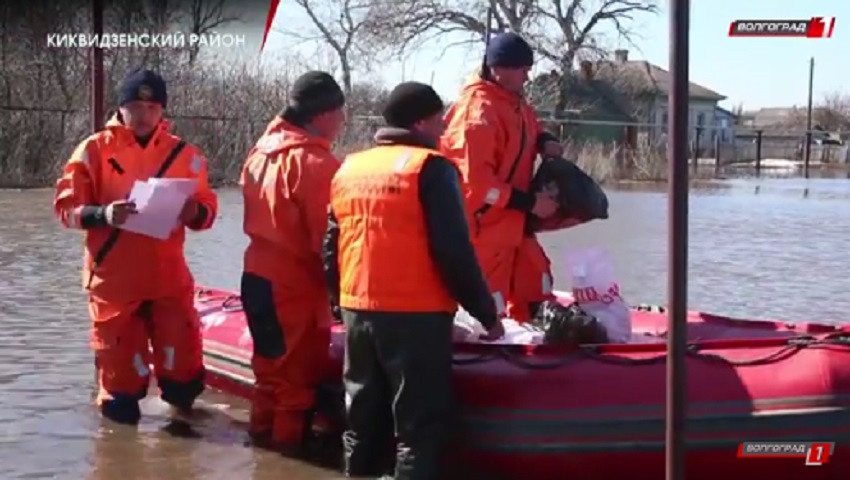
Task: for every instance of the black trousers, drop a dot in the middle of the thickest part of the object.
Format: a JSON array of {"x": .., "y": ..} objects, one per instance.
[{"x": 398, "y": 382}]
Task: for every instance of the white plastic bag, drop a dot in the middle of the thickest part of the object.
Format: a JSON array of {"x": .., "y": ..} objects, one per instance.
[
  {"x": 596, "y": 291},
  {"x": 467, "y": 328}
]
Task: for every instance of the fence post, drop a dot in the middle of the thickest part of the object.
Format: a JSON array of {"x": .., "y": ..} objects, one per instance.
[
  {"x": 758, "y": 152},
  {"x": 716, "y": 154},
  {"x": 698, "y": 133},
  {"x": 808, "y": 154}
]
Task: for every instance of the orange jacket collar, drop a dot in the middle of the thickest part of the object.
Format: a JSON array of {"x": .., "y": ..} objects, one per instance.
[
  {"x": 281, "y": 134},
  {"x": 124, "y": 133},
  {"x": 491, "y": 89}
]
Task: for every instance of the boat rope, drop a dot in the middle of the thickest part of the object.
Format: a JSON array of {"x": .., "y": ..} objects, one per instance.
[
  {"x": 233, "y": 303},
  {"x": 593, "y": 352},
  {"x": 513, "y": 355}
]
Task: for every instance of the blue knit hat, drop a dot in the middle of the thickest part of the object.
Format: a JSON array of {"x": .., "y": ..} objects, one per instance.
[
  {"x": 509, "y": 50},
  {"x": 143, "y": 85}
]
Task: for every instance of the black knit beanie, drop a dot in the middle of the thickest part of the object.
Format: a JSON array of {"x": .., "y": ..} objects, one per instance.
[
  {"x": 143, "y": 85},
  {"x": 314, "y": 93},
  {"x": 410, "y": 102}
]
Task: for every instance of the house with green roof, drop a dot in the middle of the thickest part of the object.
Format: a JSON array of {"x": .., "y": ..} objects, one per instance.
[
  {"x": 633, "y": 92},
  {"x": 592, "y": 113}
]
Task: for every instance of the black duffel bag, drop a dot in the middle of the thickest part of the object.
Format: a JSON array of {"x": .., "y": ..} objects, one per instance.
[
  {"x": 581, "y": 199},
  {"x": 568, "y": 325}
]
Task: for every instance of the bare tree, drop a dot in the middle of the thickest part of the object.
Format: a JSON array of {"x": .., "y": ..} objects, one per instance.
[
  {"x": 561, "y": 31},
  {"x": 204, "y": 17},
  {"x": 738, "y": 111},
  {"x": 833, "y": 113},
  {"x": 338, "y": 25},
  {"x": 43, "y": 90},
  {"x": 367, "y": 98}
]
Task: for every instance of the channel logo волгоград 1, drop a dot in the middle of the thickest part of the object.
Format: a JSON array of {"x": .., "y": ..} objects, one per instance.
[
  {"x": 815, "y": 453},
  {"x": 815, "y": 27}
]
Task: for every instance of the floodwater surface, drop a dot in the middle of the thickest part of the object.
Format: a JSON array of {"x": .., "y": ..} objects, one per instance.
[{"x": 772, "y": 249}]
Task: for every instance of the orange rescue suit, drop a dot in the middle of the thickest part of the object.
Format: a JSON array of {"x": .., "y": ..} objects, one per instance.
[
  {"x": 375, "y": 199},
  {"x": 141, "y": 295},
  {"x": 492, "y": 133},
  {"x": 285, "y": 184}
]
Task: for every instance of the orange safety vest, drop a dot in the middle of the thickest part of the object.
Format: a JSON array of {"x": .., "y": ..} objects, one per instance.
[{"x": 384, "y": 258}]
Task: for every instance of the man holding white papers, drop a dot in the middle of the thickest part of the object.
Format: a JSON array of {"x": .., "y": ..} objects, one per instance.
[{"x": 133, "y": 188}]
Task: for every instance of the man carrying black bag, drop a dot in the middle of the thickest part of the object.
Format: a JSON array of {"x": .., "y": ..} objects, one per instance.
[{"x": 579, "y": 197}]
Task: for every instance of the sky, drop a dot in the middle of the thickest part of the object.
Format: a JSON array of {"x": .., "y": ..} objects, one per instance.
[{"x": 753, "y": 72}]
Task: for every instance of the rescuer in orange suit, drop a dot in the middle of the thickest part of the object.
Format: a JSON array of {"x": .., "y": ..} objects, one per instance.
[
  {"x": 495, "y": 136},
  {"x": 399, "y": 260},
  {"x": 285, "y": 184},
  {"x": 141, "y": 293}
]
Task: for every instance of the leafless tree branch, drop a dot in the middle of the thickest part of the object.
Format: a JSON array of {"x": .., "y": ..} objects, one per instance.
[
  {"x": 204, "y": 17},
  {"x": 339, "y": 25},
  {"x": 560, "y": 30},
  {"x": 833, "y": 113}
]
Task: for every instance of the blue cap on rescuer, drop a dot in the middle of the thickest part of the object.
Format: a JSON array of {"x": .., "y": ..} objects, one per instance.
[
  {"x": 509, "y": 50},
  {"x": 143, "y": 85}
]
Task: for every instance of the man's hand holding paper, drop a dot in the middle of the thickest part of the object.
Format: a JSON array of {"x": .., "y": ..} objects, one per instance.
[
  {"x": 163, "y": 204},
  {"x": 190, "y": 211}
]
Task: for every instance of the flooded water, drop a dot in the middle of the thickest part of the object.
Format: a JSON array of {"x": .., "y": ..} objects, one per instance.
[{"x": 763, "y": 249}]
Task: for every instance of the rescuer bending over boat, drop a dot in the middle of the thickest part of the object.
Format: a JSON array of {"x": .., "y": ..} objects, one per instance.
[
  {"x": 286, "y": 186},
  {"x": 398, "y": 260}
]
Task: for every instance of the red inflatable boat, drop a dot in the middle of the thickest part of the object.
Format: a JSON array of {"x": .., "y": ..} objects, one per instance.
[{"x": 597, "y": 412}]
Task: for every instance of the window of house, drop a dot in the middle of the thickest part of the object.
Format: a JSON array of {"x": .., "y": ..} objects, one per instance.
[{"x": 701, "y": 119}]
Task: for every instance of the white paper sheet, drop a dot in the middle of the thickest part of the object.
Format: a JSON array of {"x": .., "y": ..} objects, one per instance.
[
  {"x": 159, "y": 202},
  {"x": 469, "y": 330},
  {"x": 186, "y": 186},
  {"x": 516, "y": 334}
]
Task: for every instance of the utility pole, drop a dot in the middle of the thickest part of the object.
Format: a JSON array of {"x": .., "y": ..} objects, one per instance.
[
  {"x": 97, "y": 67},
  {"x": 677, "y": 231}
]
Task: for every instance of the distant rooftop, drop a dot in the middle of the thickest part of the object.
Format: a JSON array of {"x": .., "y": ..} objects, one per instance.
[{"x": 646, "y": 77}]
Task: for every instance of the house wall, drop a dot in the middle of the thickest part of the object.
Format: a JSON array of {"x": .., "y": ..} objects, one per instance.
[
  {"x": 725, "y": 126},
  {"x": 701, "y": 113}
]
